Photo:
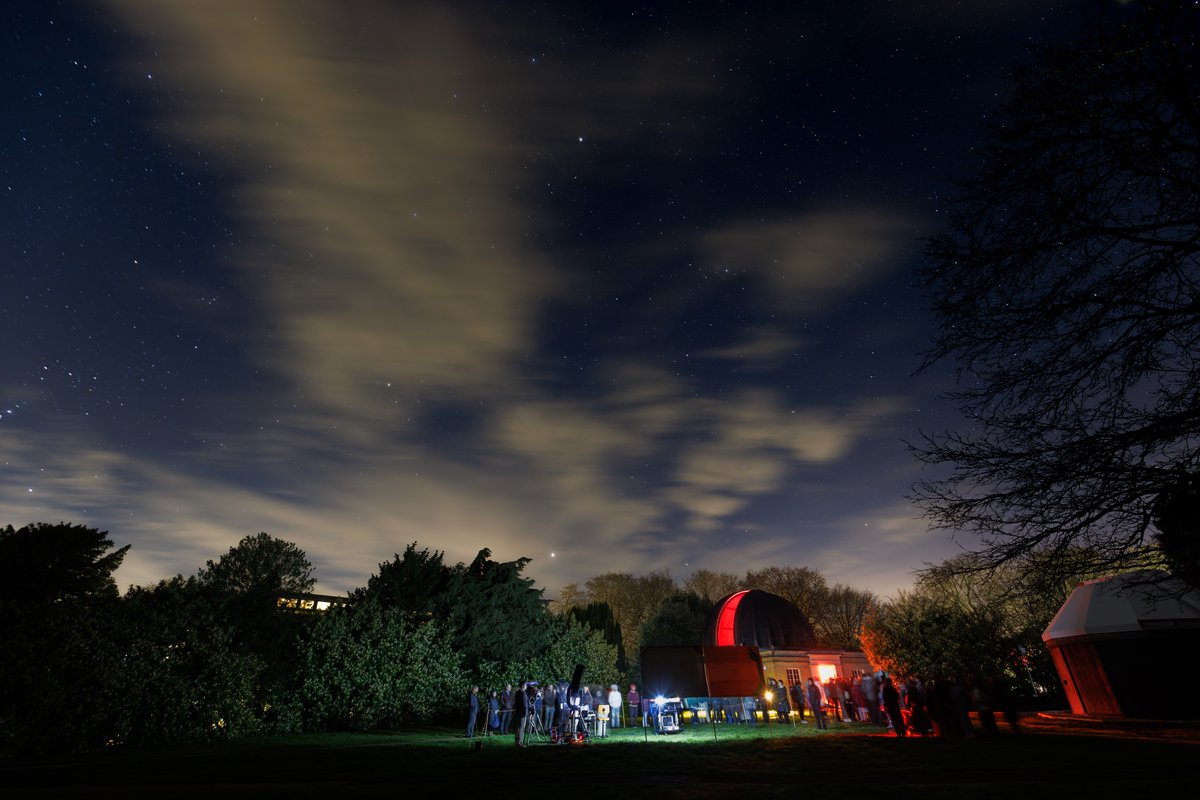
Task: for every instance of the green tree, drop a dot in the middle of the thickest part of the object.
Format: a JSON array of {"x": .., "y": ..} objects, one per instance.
[
  {"x": 497, "y": 620},
  {"x": 495, "y": 616},
  {"x": 600, "y": 617},
  {"x": 920, "y": 635},
  {"x": 411, "y": 582},
  {"x": 60, "y": 674},
  {"x": 678, "y": 621},
  {"x": 243, "y": 585},
  {"x": 1023, "y": 596},
  {"x": 368, "y": 666},
  {"x": 43, "y": 563},
  {"x": 261, "y": 566},
  {"x": 1176, "y": 516},
  {"x": 183, "y": 678},
  {"x": 60, "y": 677},
  {"x": 633, "y": 600},
  {"x": 572, "y": 643},
  {"x": 1066, "y": 292}
]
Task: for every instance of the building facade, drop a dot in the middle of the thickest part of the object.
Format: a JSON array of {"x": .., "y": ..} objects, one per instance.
[{"x": 783, "y": 636}]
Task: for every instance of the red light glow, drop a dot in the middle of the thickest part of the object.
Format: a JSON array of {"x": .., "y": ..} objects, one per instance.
[{"x": 725, "y": 620}]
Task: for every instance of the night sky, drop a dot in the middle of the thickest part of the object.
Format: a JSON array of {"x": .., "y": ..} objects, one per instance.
[{"x": 613, "y": 286}]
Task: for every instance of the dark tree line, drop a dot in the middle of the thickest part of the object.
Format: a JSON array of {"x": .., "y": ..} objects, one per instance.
[
  {"x": 960, "y": 621},
  {"x": 211, "y": 656},
  {"x": 1067, "y": 292},
  {"x": 653, "y": 609}
]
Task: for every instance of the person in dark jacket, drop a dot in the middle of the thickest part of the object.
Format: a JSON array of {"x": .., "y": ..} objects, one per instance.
[
  {"x": 472, "y": 710},
  {"x": 918, "y": 713},
  {"x": 870, "y": 690},
  {"x": 549, "y": 705},
  {"x": 506, "y": 709},
  {"x": 815, "y": 700},
  {"x": 493, "y": 715},
  {"x": 521, "y": 705},
  {"x": 891, "y": 704},
  {"x": 796, "y": 693}
]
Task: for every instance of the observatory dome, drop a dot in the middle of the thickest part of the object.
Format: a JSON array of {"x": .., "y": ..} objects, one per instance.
[{"x": 754, "y": 618}]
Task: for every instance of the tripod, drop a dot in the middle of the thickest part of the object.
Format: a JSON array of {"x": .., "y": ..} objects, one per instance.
[{"x": 535, "y": 729}]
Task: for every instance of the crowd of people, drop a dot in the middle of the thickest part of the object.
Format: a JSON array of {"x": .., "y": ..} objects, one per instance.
[
  {"x": 550, "y": 709},
  {"x": 908, "y": 706}
]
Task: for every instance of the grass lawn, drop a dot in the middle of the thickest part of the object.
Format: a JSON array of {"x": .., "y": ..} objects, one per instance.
[{"x": 846, "y": 761}]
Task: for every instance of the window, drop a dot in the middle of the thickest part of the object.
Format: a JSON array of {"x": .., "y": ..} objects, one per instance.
[{"x": 825, "y": 672}]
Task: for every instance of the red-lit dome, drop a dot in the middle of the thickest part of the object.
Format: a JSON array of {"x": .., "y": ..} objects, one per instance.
[{"x": 754, "y": 618}]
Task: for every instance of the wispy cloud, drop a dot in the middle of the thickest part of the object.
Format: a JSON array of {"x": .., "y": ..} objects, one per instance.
[
  {"x": 384, "y": 161},
  {"x": 807, "y": 262}
]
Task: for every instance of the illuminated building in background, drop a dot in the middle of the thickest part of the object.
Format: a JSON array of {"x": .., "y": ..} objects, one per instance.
[
  {"x": 309, "y": 603},
  {"x": 784, "y": 638}
]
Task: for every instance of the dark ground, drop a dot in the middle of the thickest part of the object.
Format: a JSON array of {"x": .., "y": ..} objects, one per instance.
[{"x": 1052, "y": 755}]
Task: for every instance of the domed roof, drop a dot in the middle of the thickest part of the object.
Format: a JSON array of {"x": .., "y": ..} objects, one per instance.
[
  {"x": 754, "y": 618},
  {"x": 1125, "y": 603}
]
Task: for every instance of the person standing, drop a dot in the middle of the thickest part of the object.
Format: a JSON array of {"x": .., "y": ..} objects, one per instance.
[
  {"x": 493, "y": 714},
  {"x": 891, "y": 704},
  {"x": 635, "y": 705},
  {"x": 796, "y": 693},
  {"x": 533, "y": 707},
  {"x": 614, "y": 705},
  {"x": 549, "y": 706},
  {"x": 916, "y": 703},
  {"x": 816, "y": 702},
  {"x": 833, "y": 698},
  {"x": 520, "y": 712},
  {"x": 562, "y": 709},
  {"x": 982, "y": 701},
  {"x": 870, "y": 690},
  {"x": 861, "y": 711},
  {"x": 848, "y": 710},
  {"x": 472, "y": 711},
  {"x": 960, "y": 704},
  {"x": 506, "y": 709}
]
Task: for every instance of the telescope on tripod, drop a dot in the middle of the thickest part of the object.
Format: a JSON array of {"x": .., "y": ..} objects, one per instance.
[{"x": 574, "y": 721}]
